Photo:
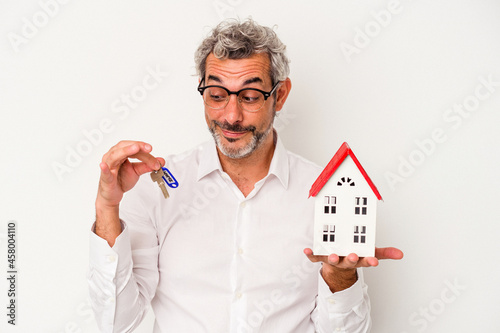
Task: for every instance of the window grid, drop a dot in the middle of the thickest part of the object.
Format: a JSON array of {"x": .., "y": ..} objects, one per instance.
[
  {"x": 360, "y": 205},
  {"x": 359, "y": 234},
  {"x": 328, "y": 233},
  {"x": 330, "y": 204}
]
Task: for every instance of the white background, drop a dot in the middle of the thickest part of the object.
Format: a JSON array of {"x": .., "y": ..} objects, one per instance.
[{"x": 405, "y": 72}]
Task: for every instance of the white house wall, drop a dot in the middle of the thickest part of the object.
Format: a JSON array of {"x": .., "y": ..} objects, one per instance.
[{"x": 344, "y": 219}]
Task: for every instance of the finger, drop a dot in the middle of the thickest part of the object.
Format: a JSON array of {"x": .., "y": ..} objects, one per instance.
[
  {"x": 141, "y": 167},
  {"x": 308, "y": 252},
  {"x": 119, "y": 153},
  {"x": 310, "y": 255},
  {"x": 350, "y": 261},
  {"x": 124, "y": 150},
  {"x": 333, "y": 259},
  {"x": 388, "y": 253},
  {"x": 368, "y": 262},
  {"x": 147, "y": 159},
  {"x": 153, "y": 163},
  {"x": 106, "y": 175}
]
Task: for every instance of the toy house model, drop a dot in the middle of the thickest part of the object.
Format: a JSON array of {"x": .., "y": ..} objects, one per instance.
[{"x": 345, "y": 207}]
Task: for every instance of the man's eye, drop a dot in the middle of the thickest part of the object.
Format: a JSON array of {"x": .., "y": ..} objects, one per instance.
[
  {"x": 251, "y": 97},
  {"x": 216, "y": 94},
  {"x": 217, "y": 97}
]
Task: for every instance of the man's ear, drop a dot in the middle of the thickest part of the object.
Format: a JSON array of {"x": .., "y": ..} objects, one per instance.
[{"x": 282, "y": 93}]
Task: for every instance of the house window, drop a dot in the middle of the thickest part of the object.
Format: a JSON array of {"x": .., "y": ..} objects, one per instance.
[
  {"x": 328, "y": 233},
  {"x": 360, "y": 205},
  {"x": 359, "y": 234},
  {"x": 345, "y": 180},
  {"x": 330, "y": 204}
]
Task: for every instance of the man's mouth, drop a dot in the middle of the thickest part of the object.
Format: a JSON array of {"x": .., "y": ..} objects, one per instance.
[
  {"x": 233, "y": 132},
  {"x": 233, "y": 135}
]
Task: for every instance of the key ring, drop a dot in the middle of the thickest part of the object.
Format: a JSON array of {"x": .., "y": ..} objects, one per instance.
[{"x": 169, "y": 178}]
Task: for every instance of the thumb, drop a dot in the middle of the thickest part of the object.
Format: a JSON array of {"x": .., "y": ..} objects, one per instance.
[
  {"x": 106, "y": 175},
  {"x": 388, "y": 253}
]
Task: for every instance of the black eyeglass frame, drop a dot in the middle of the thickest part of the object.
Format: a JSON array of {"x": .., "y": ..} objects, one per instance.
[{"x": 229, "y": 93}]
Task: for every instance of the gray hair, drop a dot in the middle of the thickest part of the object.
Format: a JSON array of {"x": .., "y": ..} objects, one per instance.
[{"x": 232, "y": 39}]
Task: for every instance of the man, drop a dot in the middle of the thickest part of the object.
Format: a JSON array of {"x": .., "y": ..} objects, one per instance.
[{"x": 225, "y": 253}]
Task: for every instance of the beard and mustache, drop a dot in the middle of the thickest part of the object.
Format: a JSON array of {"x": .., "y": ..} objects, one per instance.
[{"x": 258, "y": 137}]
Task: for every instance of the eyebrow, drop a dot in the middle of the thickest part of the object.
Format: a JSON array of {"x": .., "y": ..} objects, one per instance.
[
  {"x": 253, "y": 80},
  {"x": 248, "y": 81},
  {"x": 214, "y": 78}
]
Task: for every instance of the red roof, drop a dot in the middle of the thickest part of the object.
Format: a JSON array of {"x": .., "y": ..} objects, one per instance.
[{"x": 334, "y": 163}]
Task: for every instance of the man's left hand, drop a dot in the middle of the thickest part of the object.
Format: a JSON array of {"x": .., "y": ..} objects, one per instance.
[{"x": 340, "y": 272}]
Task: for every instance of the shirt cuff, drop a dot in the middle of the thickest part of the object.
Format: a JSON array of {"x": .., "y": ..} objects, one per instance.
[
  {"x": 342, "y": 301},
  {"x": 103, "y": 256}
]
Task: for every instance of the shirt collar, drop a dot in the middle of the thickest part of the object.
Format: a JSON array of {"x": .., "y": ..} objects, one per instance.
[
  {"x": 279, "y": 164},
  {"x": 209, "y": 161}
]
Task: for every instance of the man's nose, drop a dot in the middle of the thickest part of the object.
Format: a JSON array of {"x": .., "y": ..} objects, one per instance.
[{"x": 233, "y": 111}]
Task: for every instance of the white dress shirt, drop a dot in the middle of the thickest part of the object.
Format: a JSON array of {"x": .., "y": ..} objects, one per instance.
[{"x": 210, "y": 260}]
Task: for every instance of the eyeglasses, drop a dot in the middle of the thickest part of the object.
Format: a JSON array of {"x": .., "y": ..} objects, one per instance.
[{"x": 250, "y": 99}]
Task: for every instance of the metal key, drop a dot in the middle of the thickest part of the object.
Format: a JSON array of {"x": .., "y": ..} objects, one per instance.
[{"x": 157, "y": 176}]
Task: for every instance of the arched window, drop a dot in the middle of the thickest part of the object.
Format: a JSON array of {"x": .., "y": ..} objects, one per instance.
[{"x": 345, "y": 180}]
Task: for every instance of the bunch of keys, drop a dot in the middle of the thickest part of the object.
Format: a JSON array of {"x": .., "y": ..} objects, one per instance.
[{"x": 164, "y": 177}]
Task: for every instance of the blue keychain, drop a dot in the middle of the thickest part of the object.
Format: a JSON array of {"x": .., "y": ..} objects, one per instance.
[{"x": 169, "y": 179}]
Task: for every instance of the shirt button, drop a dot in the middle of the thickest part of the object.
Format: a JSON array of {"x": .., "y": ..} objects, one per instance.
[
  {"x": 338, "y": 329},
  {"x": 240, "y": 251},
  {"x": 332, "y": 301},
  {"x": 243, "y": 204},
  {"x": 111, "y": 258},
  {"x": 238, "y": 295},
  {"x": 111, "y": 300}
]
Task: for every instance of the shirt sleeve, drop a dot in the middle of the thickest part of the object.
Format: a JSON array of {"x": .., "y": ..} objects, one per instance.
[
  {"x": 122, "y": 281},
  {"x": 344, "y": 311}
]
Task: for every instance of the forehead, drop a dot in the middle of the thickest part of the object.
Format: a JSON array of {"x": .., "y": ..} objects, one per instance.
[{"x": 257, "y": 65}]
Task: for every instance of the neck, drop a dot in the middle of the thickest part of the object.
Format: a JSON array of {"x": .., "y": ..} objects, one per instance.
[{"x": 247, "y": 171}]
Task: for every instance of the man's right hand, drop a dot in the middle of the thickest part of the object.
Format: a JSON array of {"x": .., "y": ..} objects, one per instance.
[{"x": 119, "y": 175}]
